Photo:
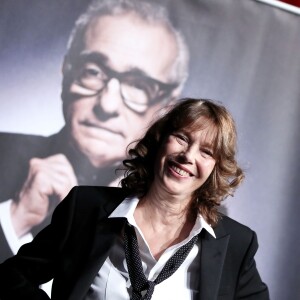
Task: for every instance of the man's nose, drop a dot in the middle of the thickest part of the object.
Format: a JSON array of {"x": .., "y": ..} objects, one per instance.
[{"x": 110, "y": 99}]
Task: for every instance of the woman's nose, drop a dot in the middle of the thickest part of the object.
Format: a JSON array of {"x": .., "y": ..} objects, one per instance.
[{"x": 190, "y": 154}]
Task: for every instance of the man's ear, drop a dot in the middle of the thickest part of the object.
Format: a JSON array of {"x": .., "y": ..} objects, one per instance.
[
  {"x": 168, "y": 105},
  {"x": 66, "y": 66},
  {"x": 175, "y": 95}
]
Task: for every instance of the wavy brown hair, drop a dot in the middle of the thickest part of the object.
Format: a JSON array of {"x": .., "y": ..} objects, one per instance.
[{"x": 190, "y": 115}]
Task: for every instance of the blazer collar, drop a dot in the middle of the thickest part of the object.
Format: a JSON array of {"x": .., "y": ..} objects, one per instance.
[{"x": 213, "y": 253}]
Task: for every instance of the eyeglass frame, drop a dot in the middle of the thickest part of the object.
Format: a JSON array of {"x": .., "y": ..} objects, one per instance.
[{"x": 99, "y": 59}]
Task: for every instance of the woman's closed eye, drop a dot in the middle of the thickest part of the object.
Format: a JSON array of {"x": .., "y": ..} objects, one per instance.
[
  {"x": 207, "y": 152},
  {"x": 181, "y": 138}
]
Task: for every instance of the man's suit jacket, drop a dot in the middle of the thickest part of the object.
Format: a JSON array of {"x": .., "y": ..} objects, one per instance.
[
  {"x": 16, "y": 150},
  {"x": 74, "y": 246}
]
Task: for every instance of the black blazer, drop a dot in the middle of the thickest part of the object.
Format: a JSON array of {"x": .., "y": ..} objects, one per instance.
[{"x": 74, "y": 246}]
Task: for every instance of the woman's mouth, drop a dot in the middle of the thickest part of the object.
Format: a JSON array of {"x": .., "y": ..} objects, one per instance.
[{"x": 179, "y": 170}]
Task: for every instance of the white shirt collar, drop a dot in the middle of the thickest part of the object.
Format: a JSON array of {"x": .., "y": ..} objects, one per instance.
[{"x": 127, "y": 208}]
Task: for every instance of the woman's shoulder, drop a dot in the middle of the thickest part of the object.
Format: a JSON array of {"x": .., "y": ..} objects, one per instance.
[
  {"x": 98, "y": 195},
  {"x": 96, "y": 191},
  {"x": 235, "y": 229},
  {"x": 233, "y": 224}
]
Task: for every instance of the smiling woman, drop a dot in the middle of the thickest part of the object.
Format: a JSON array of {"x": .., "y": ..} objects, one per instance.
[
  {"x": 199, "y": 126},
  {"x": 160, "y": 234},
  {"x": 186, "y": 161}
]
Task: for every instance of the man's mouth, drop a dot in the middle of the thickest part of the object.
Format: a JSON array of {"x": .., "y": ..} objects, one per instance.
[{"x": 97, "y": 126}]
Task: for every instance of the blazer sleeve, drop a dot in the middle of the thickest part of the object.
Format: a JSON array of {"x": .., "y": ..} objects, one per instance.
[
  {"x": 250, "y": 286},
  {"x": 35, "y": 262}
]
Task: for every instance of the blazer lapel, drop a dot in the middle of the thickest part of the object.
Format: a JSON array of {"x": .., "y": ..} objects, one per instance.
[
  {"x": 107, "y": 232},
  {"x": 213, "y": 252}
]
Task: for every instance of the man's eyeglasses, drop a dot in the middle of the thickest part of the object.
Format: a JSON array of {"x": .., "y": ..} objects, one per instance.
[{"x": 137, "y": 90}]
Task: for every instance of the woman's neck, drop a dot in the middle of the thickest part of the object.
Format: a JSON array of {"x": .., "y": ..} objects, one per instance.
[
  {"x": 166, "y": 206},
  {"x": 164, "y": 211},
  {"x": 164, "y": 222}
]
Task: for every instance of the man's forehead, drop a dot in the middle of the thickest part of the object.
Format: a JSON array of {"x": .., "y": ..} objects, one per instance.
[{"x": 129, "y": 42}]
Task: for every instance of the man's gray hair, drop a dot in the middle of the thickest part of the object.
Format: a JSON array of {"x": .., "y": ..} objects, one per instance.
[{"x": 148, "y": 11}]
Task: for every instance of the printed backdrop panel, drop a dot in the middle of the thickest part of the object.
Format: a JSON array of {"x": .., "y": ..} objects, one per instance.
[{"x": 244, "y": 54}]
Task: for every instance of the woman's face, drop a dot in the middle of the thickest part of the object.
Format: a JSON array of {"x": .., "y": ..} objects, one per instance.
[{"x": 185, "y": 161}]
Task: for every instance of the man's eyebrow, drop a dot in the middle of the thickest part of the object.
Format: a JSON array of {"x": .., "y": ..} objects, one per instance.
[
  {"x": 95, "y": 57},
  {"x": 102, "y": 59}
]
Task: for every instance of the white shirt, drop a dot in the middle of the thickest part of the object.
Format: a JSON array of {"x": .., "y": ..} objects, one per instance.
[
  {"x": 12, "y": 239},
  {"x": 112, "y": 281}
]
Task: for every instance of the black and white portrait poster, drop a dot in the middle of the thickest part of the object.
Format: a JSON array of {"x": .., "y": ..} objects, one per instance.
[{"x": 63, "y": 126}]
